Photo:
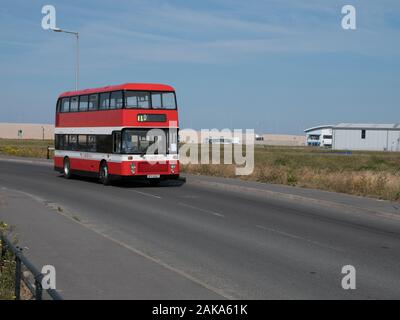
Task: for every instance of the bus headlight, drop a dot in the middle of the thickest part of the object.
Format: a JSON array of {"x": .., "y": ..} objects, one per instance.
[
  {"x": 172, "y": 166},
  {"x": 133, "y": 168}
]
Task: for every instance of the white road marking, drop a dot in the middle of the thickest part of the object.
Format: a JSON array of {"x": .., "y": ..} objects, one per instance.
[
  {"x": 189, "y": 197},
  {"x": 147, "y": 194},
  {"x": 203, "y": 210},
  {"x": 293, "y": 236}
]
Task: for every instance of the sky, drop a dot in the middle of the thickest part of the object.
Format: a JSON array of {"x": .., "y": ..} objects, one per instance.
[{"x": 276, "y": 66}]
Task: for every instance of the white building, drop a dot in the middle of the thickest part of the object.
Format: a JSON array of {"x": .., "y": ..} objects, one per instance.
[
  {"x": 372, "y": 137},
  {"x": 320, "y": 136}
]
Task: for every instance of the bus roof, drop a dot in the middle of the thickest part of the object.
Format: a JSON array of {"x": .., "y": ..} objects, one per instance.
[{"x": 126, "y": 86}]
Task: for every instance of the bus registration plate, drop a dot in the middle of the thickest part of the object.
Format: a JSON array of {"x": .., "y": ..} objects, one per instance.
[{"x": 153, "y": 176}]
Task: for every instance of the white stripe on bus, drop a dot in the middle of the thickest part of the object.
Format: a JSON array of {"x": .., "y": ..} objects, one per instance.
[
  {"x": 98, "y": 130},
  {"x": 113, "y": 157}
]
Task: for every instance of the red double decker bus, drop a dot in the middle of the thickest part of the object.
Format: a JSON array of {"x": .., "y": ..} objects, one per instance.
[{"x": 128, "y": 130}]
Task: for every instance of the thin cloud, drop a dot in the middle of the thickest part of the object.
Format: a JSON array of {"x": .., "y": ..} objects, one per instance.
[{"x": 162, "y": 32}]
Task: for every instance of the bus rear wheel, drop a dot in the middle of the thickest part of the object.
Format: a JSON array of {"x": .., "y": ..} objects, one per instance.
[
  {"x": 104, "y": 176},
  {"x": 67, "y": 169}
]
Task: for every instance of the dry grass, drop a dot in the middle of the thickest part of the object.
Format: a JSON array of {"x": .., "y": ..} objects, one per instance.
[
  {"x": 25, "y": 148},
  {"x": 7, "y": 273},
  {"x": 372, "y": 174}
]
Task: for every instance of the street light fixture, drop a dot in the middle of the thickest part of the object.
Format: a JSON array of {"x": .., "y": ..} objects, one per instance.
[{"x": 76, "y": 34}]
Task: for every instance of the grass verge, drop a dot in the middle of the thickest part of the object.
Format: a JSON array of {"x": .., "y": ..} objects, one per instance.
[
  {"x": 25, "y": 148},
  {"x": 371, "y": 174},
  {"x": 7, "y": 273}
]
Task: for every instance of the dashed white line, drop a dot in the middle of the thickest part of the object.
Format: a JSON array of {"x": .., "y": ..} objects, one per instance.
[
  {"x": 293, "y": 236},
  {"x": 147, "y": 194},
  {"x": 202, "y": 210}
]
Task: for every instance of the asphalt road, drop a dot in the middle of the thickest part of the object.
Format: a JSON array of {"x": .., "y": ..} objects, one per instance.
[{"x": 207, "y": 239}]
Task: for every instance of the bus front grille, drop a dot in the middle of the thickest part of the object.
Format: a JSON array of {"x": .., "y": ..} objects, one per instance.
[{"x": 147, "y": 167}]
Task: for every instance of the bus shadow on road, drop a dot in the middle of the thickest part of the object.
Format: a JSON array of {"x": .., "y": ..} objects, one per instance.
[{"x": 131, "y": 183}]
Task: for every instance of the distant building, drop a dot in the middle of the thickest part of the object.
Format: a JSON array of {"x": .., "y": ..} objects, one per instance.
[
  {"x": 372, "y": 137},
  {"x": 320, "y": 136},
  {"x": 356, "y": 136}
]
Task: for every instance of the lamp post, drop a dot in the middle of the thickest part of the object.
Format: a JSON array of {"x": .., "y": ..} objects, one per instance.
[{"x": 76, "y": 34}]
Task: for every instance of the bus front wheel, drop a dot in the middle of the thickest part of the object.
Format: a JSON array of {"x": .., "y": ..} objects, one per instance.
[
  {"x": 104, "y": 176},
  {"x": 67, "y": 169}
]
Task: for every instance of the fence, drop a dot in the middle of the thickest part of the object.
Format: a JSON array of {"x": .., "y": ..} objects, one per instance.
[{"x": 20, "y": 262}]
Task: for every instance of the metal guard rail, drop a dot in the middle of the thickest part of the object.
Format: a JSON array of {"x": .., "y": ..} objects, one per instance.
[{"x": 20, "y": 259}]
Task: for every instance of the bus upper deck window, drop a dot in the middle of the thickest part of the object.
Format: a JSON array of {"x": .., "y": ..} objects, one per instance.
[
  {"x": 136, "y": 99},
  {"x": 104, "y": 101},
  {"x": 156, "y": 100},
  {"x": 74, "y": 104},
  {"x": 93, "y": 102},
  {"x": 65, "y": 105},
  {"x": 83, "y": 103},
  {"x": 116, "y": 100},
  {"x": 168, "y": 100}
]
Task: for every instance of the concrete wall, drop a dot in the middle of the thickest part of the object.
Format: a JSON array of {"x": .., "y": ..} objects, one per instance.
[
  {"x": 26, "y": 131},
  {"x": 193, "y": 136},
  {"x": 35, "y": 131},
  {"x": 282, "y": 140},
  {"x": 375, "y": 140}
]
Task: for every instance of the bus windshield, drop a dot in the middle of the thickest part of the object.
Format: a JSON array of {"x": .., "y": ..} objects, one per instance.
[{"x": 147, "y": 141}]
